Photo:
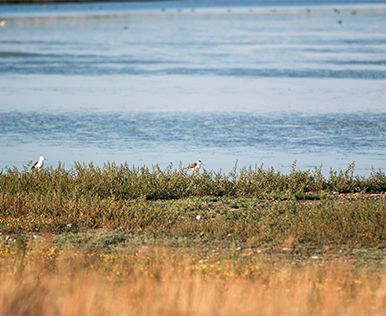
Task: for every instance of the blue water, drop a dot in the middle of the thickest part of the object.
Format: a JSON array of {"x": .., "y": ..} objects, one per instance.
[{"x": 258, "y": 82}]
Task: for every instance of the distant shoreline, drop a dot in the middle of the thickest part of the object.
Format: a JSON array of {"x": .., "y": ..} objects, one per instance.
[{"x": 66, "y": 1}]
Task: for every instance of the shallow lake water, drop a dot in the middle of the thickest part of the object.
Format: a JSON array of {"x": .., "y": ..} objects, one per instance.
[{"x": 256, "y": 82}]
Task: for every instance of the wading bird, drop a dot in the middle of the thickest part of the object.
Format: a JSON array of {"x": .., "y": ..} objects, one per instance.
[
  {"x": 39, "y": 163},
  {"x": 195, "y": 165}
]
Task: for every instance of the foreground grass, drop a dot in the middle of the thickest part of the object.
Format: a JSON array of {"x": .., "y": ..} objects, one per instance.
[
  {"x": 42, "y": 279},
  {"x": 120, "y": 240}
]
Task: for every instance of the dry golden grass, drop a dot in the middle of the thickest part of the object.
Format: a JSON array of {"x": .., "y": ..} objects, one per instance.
[{"x": 43, "y": 280}]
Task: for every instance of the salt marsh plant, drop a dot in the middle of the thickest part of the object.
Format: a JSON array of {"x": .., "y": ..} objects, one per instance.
[
  {"x": 255, "y": 205},
  {"x": 127, "y": 183}
]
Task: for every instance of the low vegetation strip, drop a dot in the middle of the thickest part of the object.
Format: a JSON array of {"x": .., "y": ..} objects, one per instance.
[
  {"x": 128, "y": 183},
  {"x": 255, "y": 206}
]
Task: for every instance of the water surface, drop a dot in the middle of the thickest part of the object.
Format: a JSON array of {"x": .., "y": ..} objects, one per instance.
[{"x": 170, "y": 82}]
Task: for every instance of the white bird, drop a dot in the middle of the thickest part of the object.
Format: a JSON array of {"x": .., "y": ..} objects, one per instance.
[
  {"x": 195, "y": 165},
  {"x": 39, "y": 163},
  {"x": 2, "y": 23}
]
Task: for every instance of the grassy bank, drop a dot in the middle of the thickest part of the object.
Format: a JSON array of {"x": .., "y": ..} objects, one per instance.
[
  {"x": 256, "y": 206},
  {"x": 129, "y": 240}
]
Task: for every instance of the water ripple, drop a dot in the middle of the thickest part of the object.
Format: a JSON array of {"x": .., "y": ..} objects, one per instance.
[{"x": 358, "y": 132}]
